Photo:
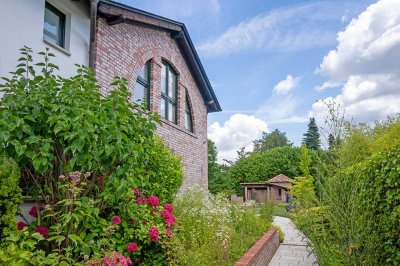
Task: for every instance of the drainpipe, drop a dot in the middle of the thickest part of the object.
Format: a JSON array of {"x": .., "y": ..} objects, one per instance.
[{"x": 92, "y": 44}]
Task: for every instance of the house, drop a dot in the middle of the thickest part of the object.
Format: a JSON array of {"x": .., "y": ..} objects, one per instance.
[
  {"x": 155, "y": 55},
  {"x": 276, "y": 189}
]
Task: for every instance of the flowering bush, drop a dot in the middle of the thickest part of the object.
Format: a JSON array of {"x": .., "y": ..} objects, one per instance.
[{"x": 130, "y": 172}]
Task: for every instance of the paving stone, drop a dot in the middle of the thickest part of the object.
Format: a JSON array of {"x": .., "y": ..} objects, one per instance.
[{"x": 295, "y": 248}]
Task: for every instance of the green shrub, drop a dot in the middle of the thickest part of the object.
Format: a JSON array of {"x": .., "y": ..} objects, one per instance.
[
  {"x": 281, "y": 234},
  {"x": 51, "y": 125},
  {"x": 10, "y": 194}
]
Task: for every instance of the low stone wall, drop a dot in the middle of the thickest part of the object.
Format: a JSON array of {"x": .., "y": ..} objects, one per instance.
[{"x": 262, "y": 251}]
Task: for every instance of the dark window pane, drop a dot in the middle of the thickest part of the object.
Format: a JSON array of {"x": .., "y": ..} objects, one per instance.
[
  {"x": 171, "y": 84},
  {"x": 164, "y": 79},
  {"x": 171, "y": 112},
  {"x": 163, "y": 108},
  {"x": 144, "y": 72},
  {"x": 54, "y": 23},
  {"x": 139, "y": 93},
  {"x": 188, "y": 122}
]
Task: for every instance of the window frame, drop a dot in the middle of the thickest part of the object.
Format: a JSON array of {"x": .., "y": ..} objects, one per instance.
[
  {"x": 164, "y": 96},
  {"x": 145, "y": 84},
  {"x": 63, "y": 21},
  {"x": 188, "y": 113}
]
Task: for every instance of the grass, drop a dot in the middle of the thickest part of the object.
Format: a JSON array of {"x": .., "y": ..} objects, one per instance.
[{"x": 280, "y": 210}]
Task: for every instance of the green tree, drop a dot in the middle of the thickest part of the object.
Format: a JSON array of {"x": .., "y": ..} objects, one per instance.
[
  {"x": 218, "y": 181},
  {"x": 271, "y": 140},
  {"x": 258, "y": 167},
  {"x": 311, "y": 137},
  {"x": 303, "y": 189}
]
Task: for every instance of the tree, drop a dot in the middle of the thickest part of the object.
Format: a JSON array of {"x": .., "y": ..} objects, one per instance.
[
  {"x": 311, "y": 137},
  {"x": 271, "y": 140},
  {"x": 217, "y": 178}
]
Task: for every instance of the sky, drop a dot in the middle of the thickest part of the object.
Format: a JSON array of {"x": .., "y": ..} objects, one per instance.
[{"x": 273, "y": 63}]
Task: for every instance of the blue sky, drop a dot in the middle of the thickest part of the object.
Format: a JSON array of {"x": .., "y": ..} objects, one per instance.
[{"x": 270, "y": 61}]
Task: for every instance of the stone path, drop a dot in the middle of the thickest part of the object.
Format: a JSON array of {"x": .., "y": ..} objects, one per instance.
[{"x": 294, "y": 249}]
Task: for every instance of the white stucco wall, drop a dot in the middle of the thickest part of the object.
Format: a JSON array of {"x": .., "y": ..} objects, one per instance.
[{"x": 21, "y": 23}]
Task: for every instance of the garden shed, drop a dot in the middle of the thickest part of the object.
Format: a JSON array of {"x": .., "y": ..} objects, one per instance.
[{"x": 276, "y": 189}]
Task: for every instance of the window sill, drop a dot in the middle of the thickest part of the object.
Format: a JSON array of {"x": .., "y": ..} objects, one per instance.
[
  {"x": 57, "y": 47},
  {"x": 169, "y": 123}
]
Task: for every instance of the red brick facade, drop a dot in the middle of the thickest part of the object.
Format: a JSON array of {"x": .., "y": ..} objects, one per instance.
[{"x": 122, "y": 50}]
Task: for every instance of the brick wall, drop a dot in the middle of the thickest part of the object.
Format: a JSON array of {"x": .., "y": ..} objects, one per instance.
[
  {"x": 261, "y": 253},
  {"x": 122, "y": 50}
]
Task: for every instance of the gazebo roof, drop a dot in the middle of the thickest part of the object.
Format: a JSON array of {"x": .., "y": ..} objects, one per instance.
[{"x": 279, "y": 179}]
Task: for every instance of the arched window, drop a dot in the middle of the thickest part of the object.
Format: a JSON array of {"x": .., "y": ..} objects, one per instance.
[
  {"x": 141, "y": 91},
  {"x": 168, "y": 92},
  {"x": 188, "y": 115}
]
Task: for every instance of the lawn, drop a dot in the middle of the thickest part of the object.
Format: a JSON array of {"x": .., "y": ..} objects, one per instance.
[{"x": 279, "y": 210}]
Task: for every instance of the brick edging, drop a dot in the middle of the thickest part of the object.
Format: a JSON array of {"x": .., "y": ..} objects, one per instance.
[{"x": 262, "y": 251}]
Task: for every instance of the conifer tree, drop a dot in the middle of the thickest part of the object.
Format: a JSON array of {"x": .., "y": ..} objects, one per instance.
[{"x": 311, "y": 137}]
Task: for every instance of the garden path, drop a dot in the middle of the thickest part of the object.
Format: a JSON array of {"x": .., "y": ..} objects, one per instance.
[{"x": 294, "y": 249}]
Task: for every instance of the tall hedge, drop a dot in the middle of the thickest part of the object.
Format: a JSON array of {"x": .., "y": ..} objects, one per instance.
[{"x": 10, "y": 194}]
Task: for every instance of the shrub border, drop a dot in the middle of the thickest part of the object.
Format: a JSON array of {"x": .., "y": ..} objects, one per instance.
[{"x": 262, "y": 251}]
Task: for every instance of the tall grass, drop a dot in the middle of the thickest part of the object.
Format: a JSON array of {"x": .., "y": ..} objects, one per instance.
[{"x": 211, "y": 231}]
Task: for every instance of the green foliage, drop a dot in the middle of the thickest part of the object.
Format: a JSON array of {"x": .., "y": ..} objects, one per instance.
[
  {"x": 51, "y": 125},
  {"x": 311, "y": 137},
  {"x": 213, "y": 232},
  {"x": 271, "y": 140},
  {"x": 303, "y": 189},
  {"x": 281, "y": 234},
  {"x": 357, "y": 219},
  {"x": 258, "y": 167},
  {"x": 218, "y": 181},
  {"x": 10, "y": 194}
]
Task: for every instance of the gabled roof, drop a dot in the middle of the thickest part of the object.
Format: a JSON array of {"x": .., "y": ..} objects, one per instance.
[
  {"x": 279, "y": 179},
  {"x": 127, "y": 14}
]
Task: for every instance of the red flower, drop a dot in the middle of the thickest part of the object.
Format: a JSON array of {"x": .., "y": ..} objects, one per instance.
[
  {"x": 132, "y": 247},
  {"x": 153, "y": 201},
  {"x": 116, "y": 220},
  {"x": 153, "y": 233},
  {"x": 136, "y": 191},
  {"x": 169, "y": 207},
  {"x": 43, "y": 231},
  {"x": 169, "y": 232},
  {"x": 21, "y": 225},
  {"x": 34, "y": 211},
  {"x": 100, "y": 180},
  {"x": 141, "y": 200}
]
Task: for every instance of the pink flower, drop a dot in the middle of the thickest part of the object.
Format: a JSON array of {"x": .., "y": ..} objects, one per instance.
[
  {"x": 136, "y": 191},
  {"x": 170, "y": 221},
  {"x": 115, "y": 259},
  {"x": 21, "y": 225},
  {"x": 169, "y": 207},
  {"x": 43, "y": 231},
  {"x": 153, "y": 201},
  {"x": 169, "y": 232},
  {"x": 141, "y": 200},
  {"x": 116, "y": 220},
  {"x": 132, "y": 247},
  {"x": 153, "y": 233},
  {"x": 166, "y": 213}
]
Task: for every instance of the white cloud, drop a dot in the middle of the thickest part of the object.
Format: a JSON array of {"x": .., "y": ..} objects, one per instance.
[
  {"x": 285, "y": 86},
  {"x": 367, "y": 62},
  {"x": 291, "y": 28},
  {"x": 327, "y": 85},
  {"x": 238, "y": 131}
]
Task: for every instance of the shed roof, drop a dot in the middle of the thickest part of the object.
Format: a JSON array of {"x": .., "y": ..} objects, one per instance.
[{"x": 279, "y": 179}]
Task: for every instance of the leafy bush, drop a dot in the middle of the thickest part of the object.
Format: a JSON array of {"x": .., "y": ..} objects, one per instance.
[
  {"x": 10, "y": 194},
  {"x": 51, "y": 125},
  {"x": 210, "y": 231}
]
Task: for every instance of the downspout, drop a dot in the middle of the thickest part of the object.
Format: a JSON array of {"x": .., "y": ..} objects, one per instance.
[{"x": 93, "y": 39}]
